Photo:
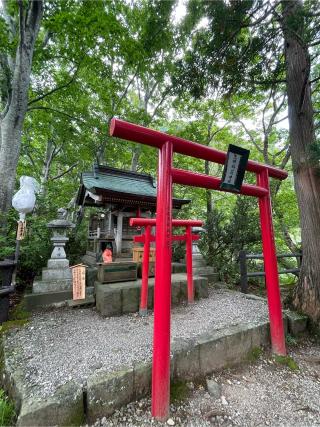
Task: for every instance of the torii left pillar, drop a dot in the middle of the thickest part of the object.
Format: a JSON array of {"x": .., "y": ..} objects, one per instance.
[{"x": 162, "y": 289}]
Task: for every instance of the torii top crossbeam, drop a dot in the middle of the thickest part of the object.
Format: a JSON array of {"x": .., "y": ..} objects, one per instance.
[{"x": 154, "y": 138}]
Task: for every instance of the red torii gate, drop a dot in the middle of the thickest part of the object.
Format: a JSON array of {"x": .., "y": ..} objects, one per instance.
[
  {"x": 167, "y": 176},
  {"x": 147, "y": 237}
]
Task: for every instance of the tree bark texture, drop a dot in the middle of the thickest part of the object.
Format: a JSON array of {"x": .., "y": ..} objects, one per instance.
[
  {"x": 306, "y": 171},
  {"x": 14, "y": 113}
]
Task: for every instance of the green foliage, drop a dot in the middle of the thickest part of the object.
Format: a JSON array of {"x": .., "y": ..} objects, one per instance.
[
  {"x": 287, "y": 361},
  {"x": 291, "y": 341},
  {"x": 7, "y": 412},
  {"x": 77, "y": 244},
  {"x": 228, "y": 233},
  {"x": 119, "y": 58},
  {"x": 35, "y": 249}
]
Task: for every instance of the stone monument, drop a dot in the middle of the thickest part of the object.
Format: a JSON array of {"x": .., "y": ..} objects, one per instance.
[{"x": 57, "y": 276}]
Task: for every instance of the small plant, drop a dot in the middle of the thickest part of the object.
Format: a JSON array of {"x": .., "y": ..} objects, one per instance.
[
  {"x": 19, "y": 312},
  {"x": 254, "y": 354},
  {"x": 179, "y": 391},
  {"x": 287, "y": 361},
  {"x": 7, "y": 412},
  {"x": 290, "y": 340}
]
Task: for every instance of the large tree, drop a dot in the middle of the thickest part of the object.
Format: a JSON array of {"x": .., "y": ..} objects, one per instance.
[
  {"x": 247, "y": 45},
  {"x": 15, "y": 70}
]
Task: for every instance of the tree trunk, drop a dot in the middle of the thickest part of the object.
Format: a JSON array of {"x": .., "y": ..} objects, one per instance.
[
  {"x": 306, "y": 172},
  {"x": 135, "y": 158},
  {"x": 12, "y": 119}
]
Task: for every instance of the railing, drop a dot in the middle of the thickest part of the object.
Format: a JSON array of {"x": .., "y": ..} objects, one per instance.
[{"x": 244, "y": 256}]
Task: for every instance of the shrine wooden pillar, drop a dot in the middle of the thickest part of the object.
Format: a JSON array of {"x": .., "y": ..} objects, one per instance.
[{"x": 118, "y": 237}]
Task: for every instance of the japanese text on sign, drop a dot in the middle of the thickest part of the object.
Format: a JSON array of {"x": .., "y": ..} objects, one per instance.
[
  {"x": 79, "y": 281},
  {"x": 232, "y": 168}
]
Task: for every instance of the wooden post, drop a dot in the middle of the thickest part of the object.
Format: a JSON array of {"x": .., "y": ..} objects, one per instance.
[
  {"x": 109, "y": 222},
  {"x": 119, "y": 233}
]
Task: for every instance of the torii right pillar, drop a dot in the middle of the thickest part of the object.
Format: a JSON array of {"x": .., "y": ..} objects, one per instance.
[{"x": 271, "y": 267}]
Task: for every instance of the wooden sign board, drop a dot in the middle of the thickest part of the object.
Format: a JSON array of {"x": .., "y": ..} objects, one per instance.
[
  {"x": 79, "y": 281},
  {"x": 21, "y": 231},
  {"x": 234, "y": 168}
]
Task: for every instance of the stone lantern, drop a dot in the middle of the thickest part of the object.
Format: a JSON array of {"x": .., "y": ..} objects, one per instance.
[
  {"x": 197, "y": 257},
  {"x": 57, "y": 276},
  {"x": 59, "y": 239}
]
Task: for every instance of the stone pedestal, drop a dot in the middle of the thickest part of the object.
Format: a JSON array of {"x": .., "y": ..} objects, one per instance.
[{"x": 57, "y": 276}]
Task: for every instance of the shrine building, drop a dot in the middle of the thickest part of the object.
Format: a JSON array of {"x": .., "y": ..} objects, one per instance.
[{"x": 117, "y": 195}]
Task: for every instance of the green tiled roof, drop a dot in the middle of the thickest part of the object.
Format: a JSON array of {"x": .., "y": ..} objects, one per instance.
[
  {"x": 121, "y": 183},
  {"x": 114, "y": 184}
]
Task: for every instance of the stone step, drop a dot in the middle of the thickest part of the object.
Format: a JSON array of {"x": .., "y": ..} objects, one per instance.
[
  {"x": 36, "y": 300},
  {"x": 56, "y": 274},
  {"x": 44, "y": 286},
  {"x": 114, "y": 299},
  {"x": 213, "y": 277},
  {"x": 199, "y": 263},
  {"x": 47, "y": 299},
  {"x": 203, "y": 270},
  {"x": 88, "y": 300}
]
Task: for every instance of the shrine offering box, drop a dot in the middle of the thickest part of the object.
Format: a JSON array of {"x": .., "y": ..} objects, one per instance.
[
  {"x": 137, "y": 254},
  {"x": 117, "y": 271}
]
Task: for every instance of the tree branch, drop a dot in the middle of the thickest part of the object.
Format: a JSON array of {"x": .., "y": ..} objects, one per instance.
[
  {"x": 65, "y": 172},
  {"x": 55, "y": 111},
  {"x": 39, "y": 98},
  {"x": 236, "y": 118}
]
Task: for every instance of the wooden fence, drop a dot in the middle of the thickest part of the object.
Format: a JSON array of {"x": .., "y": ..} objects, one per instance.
[{"x": 244, "y": 256}]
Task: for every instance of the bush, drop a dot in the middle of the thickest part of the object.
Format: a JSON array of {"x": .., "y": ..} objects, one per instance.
[{"x": 226, "y": 235}]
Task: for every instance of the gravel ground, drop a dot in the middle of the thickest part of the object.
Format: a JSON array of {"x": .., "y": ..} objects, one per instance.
[
  {"x": 264, "y": 393},
  {"x": 64, "y": 344}
]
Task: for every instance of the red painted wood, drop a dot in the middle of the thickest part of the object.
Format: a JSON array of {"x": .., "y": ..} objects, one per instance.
[
  {"x": 154, "y": 138},
  {"x": 271, "y": 269}
]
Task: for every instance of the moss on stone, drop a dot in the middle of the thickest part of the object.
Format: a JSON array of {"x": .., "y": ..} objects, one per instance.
[
  {"x": 287, "y": 361},
  {"x": 76, "y": 419},
  {"x": 12, "y": 324},
  {"x": 254, "y": 354},
  {"x": 179, "y": 390}
]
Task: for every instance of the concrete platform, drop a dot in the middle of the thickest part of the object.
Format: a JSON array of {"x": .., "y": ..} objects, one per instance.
[
  {"x": 114, "y": 299},
  {"x": 69, "y": 367}
]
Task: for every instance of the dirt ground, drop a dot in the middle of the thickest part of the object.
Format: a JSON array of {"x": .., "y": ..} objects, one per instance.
[{"x": 262, "y": 393}]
